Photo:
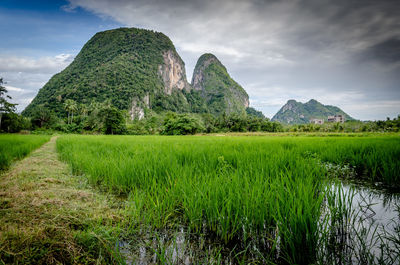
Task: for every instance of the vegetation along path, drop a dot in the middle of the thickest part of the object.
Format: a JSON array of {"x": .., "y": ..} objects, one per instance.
[{"x": 49, "y": 216}]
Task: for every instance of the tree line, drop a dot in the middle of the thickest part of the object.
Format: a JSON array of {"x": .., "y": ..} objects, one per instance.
[{"x": 103, "y": 117}]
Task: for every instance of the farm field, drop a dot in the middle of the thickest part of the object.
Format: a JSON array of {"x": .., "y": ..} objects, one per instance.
[
  {"x": 13, "y": 147},
  {"x": 213, "y": 199}
]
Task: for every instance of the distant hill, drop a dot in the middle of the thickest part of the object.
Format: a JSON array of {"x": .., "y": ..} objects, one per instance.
[
  {"x": 294, "y": 112},
  {"x": 139, "y": 69}
]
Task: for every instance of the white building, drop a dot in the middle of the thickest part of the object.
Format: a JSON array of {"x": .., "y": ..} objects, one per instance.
[{"x": 336, "y": 118}]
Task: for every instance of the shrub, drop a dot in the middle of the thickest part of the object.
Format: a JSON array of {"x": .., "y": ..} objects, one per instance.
[{"x": 181, "y": 124}]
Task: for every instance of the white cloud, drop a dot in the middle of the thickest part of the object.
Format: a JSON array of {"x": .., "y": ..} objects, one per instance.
[
  {"x": 375, "y": 109},
  {"x": 24, "y": 76},
  {"x": 33, "y": 65},
  {"x": 16, "y": 89}
]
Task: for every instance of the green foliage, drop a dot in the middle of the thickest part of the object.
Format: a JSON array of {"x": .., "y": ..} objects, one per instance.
[
  {"x": 196, "y": 101},
  {"x": 242, "y": 123},
  {"x": 176, "y": 102},
  {"x": 18, "y": 146},
  {"x": 152, "y": 124},
  {"x": 5, "y": 106},
  {"x": 42, "y": 117},
  {"x": 13, "y": 122},
  {"x": 210, "y": 123},
  {"x": 165, "y": 123},
  {"x": 387, "y": 126},
  {"x": 221, "y": 92},
  {"x": 255, "y": 113},
  {"x": 114, "y": 122},
  {"x": 234, "y": 122},
  {"x": 181, "y": 124},
  {"x": 71, "y": 107}
]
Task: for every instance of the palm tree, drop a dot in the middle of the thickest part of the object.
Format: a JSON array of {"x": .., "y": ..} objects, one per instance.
[
  {"x": 74, "y": 108},
  {"x": 67, "y": 105},
  {"x": 71, "y": 107},
  {"x": 83, "y": 109}
]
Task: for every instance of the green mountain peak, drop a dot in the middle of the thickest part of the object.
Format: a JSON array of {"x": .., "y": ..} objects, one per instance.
[
  {"x": 221, "y": 92},
  {"x": 133, "y": 68}
]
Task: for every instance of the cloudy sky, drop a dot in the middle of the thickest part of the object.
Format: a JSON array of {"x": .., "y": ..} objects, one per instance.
[{"x": 339, "y": 52}]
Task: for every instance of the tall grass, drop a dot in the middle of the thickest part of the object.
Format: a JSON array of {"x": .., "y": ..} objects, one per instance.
[
  {"x": 14, "y": 146},
  {"x": 267, "y": 191},
  {"x": 374, "y": 158}
]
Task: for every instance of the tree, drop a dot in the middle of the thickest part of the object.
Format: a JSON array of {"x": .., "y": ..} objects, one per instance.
[
  {"x": 83, "y": 110},
  {"x": 13, "y": 122},
  {"x": 255, "y": 113},
  {"x": 254, "y": 124},
  {"x": 210, "y": 122},
  {"x": 181, "y": 124},
  {"x": 5, "y": 106},
  {"x": 114, "y": 122},
  {"x": 43, "y": 117},
  {"x": 70, "y": 106},
  {"x": 237, "y": 123}
]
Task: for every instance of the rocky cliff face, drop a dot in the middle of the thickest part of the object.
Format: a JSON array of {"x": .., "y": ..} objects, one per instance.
[
  {"x": 221, "y": 92},
  {"x": 172, "y": 72},
  {"x": 138, "y": 106},
  {"x": 294, "y": 112}
]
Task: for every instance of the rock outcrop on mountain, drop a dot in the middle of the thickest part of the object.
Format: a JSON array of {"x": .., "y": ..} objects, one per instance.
[
  {"x": 173, "y": 72},
  {"x": 220, "y": 91},
  {"x": 136, "y": 70},
  {"x": 294, "y": 112}
]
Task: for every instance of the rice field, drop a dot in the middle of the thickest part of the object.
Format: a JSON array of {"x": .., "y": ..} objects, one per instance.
[
  {"x": 262, "y": 198},
  {"x": 14, "y": 147}
]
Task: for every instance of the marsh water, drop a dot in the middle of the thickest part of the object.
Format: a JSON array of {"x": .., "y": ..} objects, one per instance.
[
  {"x": 369, "y": 234},
  {"x": 369, "y": 228},
  {"x": 377, "y": 207}
]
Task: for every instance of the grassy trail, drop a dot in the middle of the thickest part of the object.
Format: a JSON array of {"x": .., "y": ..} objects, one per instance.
[{"x": 49, "y": 216}]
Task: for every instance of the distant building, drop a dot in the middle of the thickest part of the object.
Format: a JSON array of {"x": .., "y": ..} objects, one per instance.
[
  {"x": 336, "y": 118},
  {"x": 317, "y": 121}
]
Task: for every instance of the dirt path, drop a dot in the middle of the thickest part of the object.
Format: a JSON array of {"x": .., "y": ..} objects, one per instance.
[{"x": 49, "y": 216}]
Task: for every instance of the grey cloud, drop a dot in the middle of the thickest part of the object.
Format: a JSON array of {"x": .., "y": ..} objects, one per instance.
[
  {"x": 387, "y": 51},
  {"x": 344, "y": 52}
]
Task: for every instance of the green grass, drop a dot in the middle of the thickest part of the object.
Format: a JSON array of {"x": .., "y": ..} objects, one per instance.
[
  {"x": 244, "y": 190},
  {"x": 49, "y": 216},
  {"x": 14, "y": 146}
]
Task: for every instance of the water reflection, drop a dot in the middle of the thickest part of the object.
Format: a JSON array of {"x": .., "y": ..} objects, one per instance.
[
  {"x": 360, "y": 225},
  {"x": 377, "y": 207},
  {"x": 364, "y": 223}
]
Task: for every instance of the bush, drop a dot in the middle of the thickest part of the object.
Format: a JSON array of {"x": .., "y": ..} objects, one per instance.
[
  {"x": 114, "y": 122},
  {"x": 181, "y": 124},
  {"x": 43, "y": 118},
  {"x": 12, "y": 123}
]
